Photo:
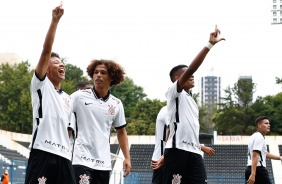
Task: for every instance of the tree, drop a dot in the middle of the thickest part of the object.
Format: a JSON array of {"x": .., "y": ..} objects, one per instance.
[
  {"x": 231, "y": 118},
  {"x": 129, "y": 93},
  {"x": 278, "y": 80},
  {"x": 143, "y": 118},
  {"x": 15, "y": 108},
  {"x": 270, "y": 106},
  {"x": 243, "y": 91},
  {"x": 205, "y": 115}
]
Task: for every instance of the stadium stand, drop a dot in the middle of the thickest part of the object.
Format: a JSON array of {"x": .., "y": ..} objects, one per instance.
[
  {"x": 114, "y": 148},
  {"x": 228, "y": 164},
  {"x": 141, "y": 157},
  {"x": 25, "y": 144},
  {"x": 280, "y": 149},
  {"x": 11, "y": 154}
]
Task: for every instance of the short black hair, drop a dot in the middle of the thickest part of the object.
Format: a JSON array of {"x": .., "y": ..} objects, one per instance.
[
  {"x": 260, "y": 118},
  {"x": 83, "y": 84},
  {"x": 174, "y": 70},
  {"x": 54, "y": 54}
]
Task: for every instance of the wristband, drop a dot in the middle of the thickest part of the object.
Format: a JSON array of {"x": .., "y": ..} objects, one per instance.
[{"x": 209, "y": 45}]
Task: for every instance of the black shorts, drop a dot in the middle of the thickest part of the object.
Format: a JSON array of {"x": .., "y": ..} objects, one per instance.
[
  {"x": 183, "y": 167},
  {"x": 158, "y": 176},
  {"x": 262, "y": 176},
  {"x": 87, "y": 175},
  {"x": 48, "y": 167}
]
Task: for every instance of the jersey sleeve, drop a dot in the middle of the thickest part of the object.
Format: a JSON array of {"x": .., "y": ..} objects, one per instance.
[
  {"x": 161, "y": 123},
  {"x": 74, "y": 99},
  {"x": 72, "y": 122},
  {"x": 172, "y": 93},
  {"x": 36, "y": 82},
  {"x": 119, "y": 121},
  {"x": 258, "y": 144}
]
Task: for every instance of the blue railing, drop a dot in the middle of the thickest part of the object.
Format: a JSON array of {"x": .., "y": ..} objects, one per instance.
[{"x": 16, "y": 170}]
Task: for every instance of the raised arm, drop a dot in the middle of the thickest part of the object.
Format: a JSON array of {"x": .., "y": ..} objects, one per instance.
[
  {"x": 214, "y": 38},
  {"x": 43, "y": 63}
]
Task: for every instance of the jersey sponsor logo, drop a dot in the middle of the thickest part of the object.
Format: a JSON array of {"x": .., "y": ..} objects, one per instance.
[
  {"x": 57, "y": 145},
  {"x": 88, "y": 103},
  {"x": 84, "y": 179},
  {"x": 111, "y": 110},
  {"x": 42, "y": 180},
  {"x": 176, "y": 179},
  {"x": 192, "y": 144},
  {"x": 67, "y": 102},
  {"x": 92, "y": 160}
]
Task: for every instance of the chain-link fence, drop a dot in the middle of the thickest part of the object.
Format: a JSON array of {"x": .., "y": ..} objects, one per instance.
[{"x": 16, "y": 170}]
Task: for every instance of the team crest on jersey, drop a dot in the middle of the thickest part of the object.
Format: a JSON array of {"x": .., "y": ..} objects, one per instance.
[
  {"x": 176, "y": 179},
  {"x": 84, "y": 179},
  {"x": 112, "y": 110},
  {"x": 42, "y": 180}
]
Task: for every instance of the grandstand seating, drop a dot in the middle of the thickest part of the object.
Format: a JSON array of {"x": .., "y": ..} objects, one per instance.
[
  {"x": 141, "y": 157},
  {"x": 227, "y": 165},
  {"x": 24, "y": 144},
  {"x": 11, "y": 154},
  {"x": 229, "y": 162},
  {"x": 280, "y": 149},
  {"x": 114, "y": 148}
]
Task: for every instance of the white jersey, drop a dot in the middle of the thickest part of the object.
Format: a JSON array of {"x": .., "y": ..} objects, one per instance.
[
  {"x": 257, "y": 143},
  {"x": 51, "y": 109},
  {"x": 161, "y": 133},
  {"x": 183, "y": 117},
  {"x": 95, "y": 117}
]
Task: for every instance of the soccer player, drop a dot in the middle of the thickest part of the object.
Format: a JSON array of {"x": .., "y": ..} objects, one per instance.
[
  {"x": 96, "y": 112},
  {"x": 160, "y": 140},
  {"x": 257, "y": 153},
  {"x": 84, "y": 85},
  {"x": 72, "y": 125},
  {"x": 50, "y": 155},
  {"x": 162, "y": 132},
  {"x": 183, "y": 161}
]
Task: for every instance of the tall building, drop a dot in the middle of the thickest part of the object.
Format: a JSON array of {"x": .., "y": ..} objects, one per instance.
[
  {"x": 210, "y": 91},
  {"x": 276, "y": 11}
]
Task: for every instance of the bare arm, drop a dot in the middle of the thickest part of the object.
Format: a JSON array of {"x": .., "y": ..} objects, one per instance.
[
  {"x": 208, "y": 150},
  {"x": 252, "y": 177},
  {"x": 272, "y": 156},
  {"x": 43, "y": 63},
  {"x": 214, "y": 38},
  {"x": 123, "y": 143}
]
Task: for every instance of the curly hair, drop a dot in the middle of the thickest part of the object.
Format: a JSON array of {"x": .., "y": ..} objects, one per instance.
[{"x": 115, "y": 71}]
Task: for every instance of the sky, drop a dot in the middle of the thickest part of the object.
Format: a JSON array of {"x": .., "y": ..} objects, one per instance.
[{"x": 149, "y": 37}]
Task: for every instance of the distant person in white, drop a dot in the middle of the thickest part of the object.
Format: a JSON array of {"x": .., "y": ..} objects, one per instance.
[
  {"x": 183, "y": 162},
  {"x": 50, "y": 154},
  {"x": 72, "y": 125},
  {"x": 160, "y": 140},
  {"x": 257, "y": 153},
  {"x": 96, "y": 112}
]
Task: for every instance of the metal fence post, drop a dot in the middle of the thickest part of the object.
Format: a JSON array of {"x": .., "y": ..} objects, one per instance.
[{"x": 12, "y": 170}]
